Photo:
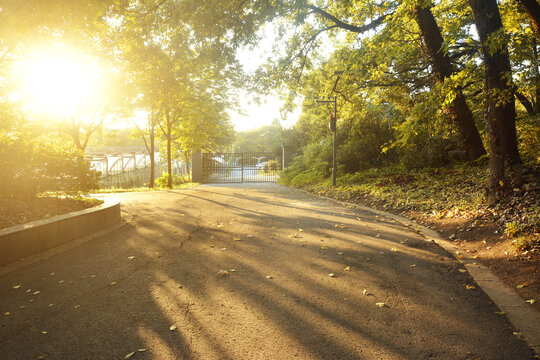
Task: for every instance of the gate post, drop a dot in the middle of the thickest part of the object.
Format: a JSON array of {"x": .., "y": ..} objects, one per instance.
[
  {"x": 196, "y": 166},
  {"x": 287, "y": 152}
]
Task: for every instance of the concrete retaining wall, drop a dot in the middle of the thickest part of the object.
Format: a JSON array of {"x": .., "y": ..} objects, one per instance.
[{"x": 21, "y": 241}]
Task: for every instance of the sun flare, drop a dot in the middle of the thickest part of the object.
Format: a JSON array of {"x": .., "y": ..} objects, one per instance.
[{"x": 58, "y": 82}]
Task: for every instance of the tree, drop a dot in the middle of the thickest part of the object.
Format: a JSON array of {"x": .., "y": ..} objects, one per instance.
[
  {"x": 458, "y": 109},
  {"x": 533, "y": 10},
  {"x": 505, "y": 162}
]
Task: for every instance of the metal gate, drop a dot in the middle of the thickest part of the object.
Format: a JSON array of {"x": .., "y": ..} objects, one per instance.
[{"x": 240, "y": 167}]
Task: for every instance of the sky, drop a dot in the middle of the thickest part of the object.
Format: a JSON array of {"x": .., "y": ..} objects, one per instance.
[{"x": 257, "y": 115}]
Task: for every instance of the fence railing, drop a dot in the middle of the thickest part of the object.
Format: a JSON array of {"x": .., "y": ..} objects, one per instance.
[{"x": 130, "y": 170}]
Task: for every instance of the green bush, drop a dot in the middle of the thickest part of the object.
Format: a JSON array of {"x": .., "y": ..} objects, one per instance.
[
  {"x": 313, "y": 164},
  {"x": 271, "y": 165},
  {"x": 163, "y": 180},
  {"x": 528, "y": 131},
  {"x": 31, "y": 165}
]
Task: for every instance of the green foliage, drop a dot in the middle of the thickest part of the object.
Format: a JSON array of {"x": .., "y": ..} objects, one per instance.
[
  {"x": 270, "y": 166},
  {"x": 32, "y": 165},
  {"x": 512, "y": 228},
  {"x": 264, "y": 139},
  {"x": 163, "y": 180},
  {"x": 528, "y": 130},
  {"x": 313, "y": 164}
]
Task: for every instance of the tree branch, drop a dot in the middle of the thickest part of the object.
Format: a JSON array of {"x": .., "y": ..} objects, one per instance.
[{"x": 349, "y": 27}]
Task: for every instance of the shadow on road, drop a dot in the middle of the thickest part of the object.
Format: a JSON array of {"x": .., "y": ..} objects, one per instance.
[{"x": 276, "y": 300}]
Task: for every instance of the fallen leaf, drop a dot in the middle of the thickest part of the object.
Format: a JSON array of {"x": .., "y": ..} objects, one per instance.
[
  {"x": 77, "y": 306},
  {"x": 113, "y": 283},
  {"x": 332, "y": 275},
  {"x": 128, "y": 356},
  {"x": 300, "y": 230},
  {"x": 462, "y": 270},
  {"x": 44, "y": 332},
  {"x": 269, "y": 277},
  {"x": 347, "y": 268},
  {"x": 460, "y": 257},
  {"x": 530, "y": 301},
  {"x": 92, "y": 276},
  {"x": 380, "y": 304},
  {"x": 365, "y": 292},
  {"x": 413, "y": 265},
  {"x": 340, "y": 253},
  {"x": 223, "y": 272},
  {"x": 36, "y": 292},
  {"x": 141, "y": 350},
  {"x": 224, "y": 249},
  {"x": 293, "y": 235},
  {"x": 172, "y": 328},
  {"x": 521, "y": 286},
  {"x": 17, "y": 286},
  {"x": 131, "y": 257},
  {"x": 7, "y": 313},
  {"x": 378, "y": 235},
  {"x": 250, "y": 236},
  {"x": 324, "y": 247},
  {"x": 470, "y": 287},
  {"x": 393, "y": 249},
  {"x": 236, "y": 238}
]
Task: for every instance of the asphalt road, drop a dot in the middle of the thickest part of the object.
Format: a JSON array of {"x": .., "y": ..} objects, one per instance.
[{"x": 243, "y": 272}]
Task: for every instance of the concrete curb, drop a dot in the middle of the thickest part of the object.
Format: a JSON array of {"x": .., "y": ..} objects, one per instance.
[
  {"x": 525, "y": 319},
  {"x": 25, "y": 240}
]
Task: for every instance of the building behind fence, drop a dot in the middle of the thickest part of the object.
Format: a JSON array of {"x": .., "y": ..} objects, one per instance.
[{"x": 128, "y": 170}]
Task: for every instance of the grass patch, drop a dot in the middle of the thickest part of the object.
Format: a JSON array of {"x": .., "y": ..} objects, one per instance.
[
  {"x": 439, "y": 193},
  {"x": 143, "y": 188}
]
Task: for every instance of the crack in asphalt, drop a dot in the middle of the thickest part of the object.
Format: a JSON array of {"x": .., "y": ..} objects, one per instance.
[{"x": 191, "y": 233}]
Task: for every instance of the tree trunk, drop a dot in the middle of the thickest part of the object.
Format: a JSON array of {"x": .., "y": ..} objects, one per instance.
[
  {"x": 459, "y": 111},
  {"x": 505, "y": 163},
  {"x": 169, "y": 150},
  {"x": 187, "y": 159},
  {"x": 152, "y": 158},
  {"x": 533, "y": 10},
  {"x": 536, "y": 77}
]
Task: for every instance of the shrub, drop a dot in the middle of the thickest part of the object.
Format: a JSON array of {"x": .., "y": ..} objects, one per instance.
[
  {"x": 31, "y": 165},
  {"x": 313, "y": 164},
  {"x": 528, "y": 131},
  {"x": 271, "y": 165},
  {"x": 163, "y": 180}
]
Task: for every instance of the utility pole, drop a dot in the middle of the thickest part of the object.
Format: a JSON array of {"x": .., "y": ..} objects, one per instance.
[{"x": 333, "y": 127}]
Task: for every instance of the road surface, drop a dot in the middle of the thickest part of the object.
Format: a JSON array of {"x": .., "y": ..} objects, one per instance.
[{"x": 250, "y": 272}]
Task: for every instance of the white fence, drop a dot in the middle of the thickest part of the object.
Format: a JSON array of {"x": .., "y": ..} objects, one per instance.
[{"x": 127, "y": 170}]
